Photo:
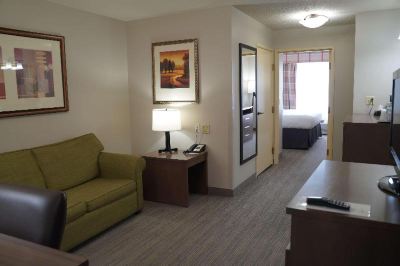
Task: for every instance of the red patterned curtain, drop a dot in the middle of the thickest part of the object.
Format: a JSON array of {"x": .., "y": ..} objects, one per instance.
[
  {"x": 289, "y": 86},
  {"x": 289, "y": 61}
]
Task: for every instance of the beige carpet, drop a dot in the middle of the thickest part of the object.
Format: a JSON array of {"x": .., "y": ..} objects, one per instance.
[{"x": 250, "y": 228}]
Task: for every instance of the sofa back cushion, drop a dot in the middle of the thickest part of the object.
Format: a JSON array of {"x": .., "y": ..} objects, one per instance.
[
  {"x": 69, "y": 163},
  {"x": 20, "y": 168}
]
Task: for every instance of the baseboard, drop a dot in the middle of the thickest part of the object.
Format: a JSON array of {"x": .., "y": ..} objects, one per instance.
[
  {"x": 231, "y": 192},
  {"x": 244, "y": 184},
  {"x": 220, "y": 191}
]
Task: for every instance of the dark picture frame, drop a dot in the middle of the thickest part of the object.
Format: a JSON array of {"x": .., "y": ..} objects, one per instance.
[
  {"x": 247, "y": 104},
  {"x": 39, "y": 83},
  {"x": 175, "y": 68}
]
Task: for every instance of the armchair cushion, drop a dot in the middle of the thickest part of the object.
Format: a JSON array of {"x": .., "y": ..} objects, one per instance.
[
  {"x": 20, "y": 168},
  {"x": 101, "y": 191},
  {"x": 69, "y": 163}
]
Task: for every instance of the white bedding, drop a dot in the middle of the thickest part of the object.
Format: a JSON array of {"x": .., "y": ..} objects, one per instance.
[{"x": 298, "y": 119}]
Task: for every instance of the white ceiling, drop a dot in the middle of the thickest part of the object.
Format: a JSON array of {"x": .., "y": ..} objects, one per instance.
[
  {"x": 277, "y": 14},
  {"x": 287, "y": 13},
  {"x": 138, "y": 9}
]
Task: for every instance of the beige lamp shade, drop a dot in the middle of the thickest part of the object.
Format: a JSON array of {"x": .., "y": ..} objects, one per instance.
[{"x": 166, "y": 120}]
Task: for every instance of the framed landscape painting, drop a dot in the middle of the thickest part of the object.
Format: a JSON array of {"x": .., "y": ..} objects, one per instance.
[
  {"x": 175, "y": 71},
  {"x": 33, "y": 78}
]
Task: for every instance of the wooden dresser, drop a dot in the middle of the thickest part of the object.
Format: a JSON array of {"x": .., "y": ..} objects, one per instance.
[
  {"x": 365, "y": 140},
  {"x": 247, "y": 123},
  {"x": 325, "y": 237}
]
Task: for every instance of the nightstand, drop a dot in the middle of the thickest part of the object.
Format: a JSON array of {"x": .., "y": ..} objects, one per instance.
[{"x": 170, "y": 177}]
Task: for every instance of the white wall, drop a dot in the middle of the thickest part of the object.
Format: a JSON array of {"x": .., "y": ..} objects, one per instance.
[
  {"x": 219, "y": 31},
  {"x": 212, "y": 28},
  {"x": 341, "y": 39},
  {"x": 119, "y": 113},
  {"x": 377, "y": 56},
  {"x": 248, "y": 31},
  {"x": 101, "y": 101},
  {"x": 97, "y": 77}
]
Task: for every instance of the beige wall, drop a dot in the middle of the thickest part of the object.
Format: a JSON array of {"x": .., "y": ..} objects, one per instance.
[
  {"x": 341, "y": 38},
  {"x": 97, "y": 77},
  {"x": 219, "y": 32},
  {"x": 248, "y": 31},
  {"x": 101, "y": 101},
  {"x": 212, "y": 28},
  {"x": 377, "y": 57},
  {"x": 101, "y": 52}
]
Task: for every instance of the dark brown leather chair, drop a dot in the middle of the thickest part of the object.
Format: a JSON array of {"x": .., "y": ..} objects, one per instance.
[{"x": 36, "y": 215}]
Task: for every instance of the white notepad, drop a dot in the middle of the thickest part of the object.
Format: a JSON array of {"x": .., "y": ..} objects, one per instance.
[{"x": 356, "y": 209}]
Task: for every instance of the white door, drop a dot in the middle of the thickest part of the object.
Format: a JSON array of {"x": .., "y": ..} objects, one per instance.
[
  {"x": 265, "y": 100},
  {"x": 329, "y": 151}
]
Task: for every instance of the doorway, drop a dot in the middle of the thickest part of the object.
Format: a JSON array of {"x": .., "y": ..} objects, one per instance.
[
  {"x": 265, "y": 102},
  {"x": 304, "y": 89}
]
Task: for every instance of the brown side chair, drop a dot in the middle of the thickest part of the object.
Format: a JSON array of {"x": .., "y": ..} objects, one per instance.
[{"x": 33, "y": 214}]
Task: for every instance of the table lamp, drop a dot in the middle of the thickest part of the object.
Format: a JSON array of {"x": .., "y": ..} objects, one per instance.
[
  {"x": 166, "y": 120},
  {"x": 251, "y": 86}
]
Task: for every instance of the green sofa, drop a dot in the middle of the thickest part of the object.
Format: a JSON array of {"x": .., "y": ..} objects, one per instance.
[{"x": 102, "y": 188}]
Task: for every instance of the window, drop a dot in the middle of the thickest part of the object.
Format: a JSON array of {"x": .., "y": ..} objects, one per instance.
[{"x": 312, "y": 88}]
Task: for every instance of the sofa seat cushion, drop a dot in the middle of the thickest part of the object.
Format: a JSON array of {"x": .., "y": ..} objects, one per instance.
[
  {"x": 20, "y": 168},
  {"x": 101, "y": 191},
  {"x": 75, "y": 210},
  {"x": 69, "y": 163}
]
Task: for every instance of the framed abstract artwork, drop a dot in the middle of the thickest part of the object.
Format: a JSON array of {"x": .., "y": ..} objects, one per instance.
[
  {"x": 33, "y": 78},
  {"x": 175, "y": 71}
]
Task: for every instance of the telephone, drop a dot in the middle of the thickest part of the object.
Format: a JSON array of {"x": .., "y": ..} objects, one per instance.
[{"x": 196, "y": 148}]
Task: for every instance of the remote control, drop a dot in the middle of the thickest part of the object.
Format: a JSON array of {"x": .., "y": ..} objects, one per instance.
[{"x": 330, "y": 203}]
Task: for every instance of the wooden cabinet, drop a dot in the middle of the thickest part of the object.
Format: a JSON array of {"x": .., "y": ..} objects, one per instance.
[
  {"x": 365, "y": 140},
  {"x": 247, "y": 127},
  {"x": 329, "y": 238}
]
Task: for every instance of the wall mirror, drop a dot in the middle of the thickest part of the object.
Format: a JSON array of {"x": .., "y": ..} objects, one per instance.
[{"x": 248, "y": 102}]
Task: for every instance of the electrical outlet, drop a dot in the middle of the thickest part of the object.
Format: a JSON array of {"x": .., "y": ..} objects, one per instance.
[
  {"x": 205, "y": 129},
  {"x": 369, "y": 100}
]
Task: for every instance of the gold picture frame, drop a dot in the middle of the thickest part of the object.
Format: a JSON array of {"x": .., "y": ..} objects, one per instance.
[
  {"x": 175, "y": 71},
  {"x": 33, "y": 74}
]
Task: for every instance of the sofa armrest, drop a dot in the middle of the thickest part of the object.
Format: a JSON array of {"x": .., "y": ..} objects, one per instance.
[{"x": 114, "y": 165}]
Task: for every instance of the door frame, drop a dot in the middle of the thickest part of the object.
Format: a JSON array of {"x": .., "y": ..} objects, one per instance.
[
  {"x": 273, "y": 51},
  {"x": 278, "y": 122}
]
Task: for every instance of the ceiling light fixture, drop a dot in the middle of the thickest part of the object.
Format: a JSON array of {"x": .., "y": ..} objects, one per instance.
[{"x": 314, "y": 21}]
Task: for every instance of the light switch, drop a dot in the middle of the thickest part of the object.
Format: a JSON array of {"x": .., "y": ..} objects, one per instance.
[{"x": 205, "y": 129}]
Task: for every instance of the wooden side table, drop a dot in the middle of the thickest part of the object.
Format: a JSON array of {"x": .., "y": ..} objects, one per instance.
[
  {"x": 18, "y": 252},
  {"x": 169, "y": 178}
]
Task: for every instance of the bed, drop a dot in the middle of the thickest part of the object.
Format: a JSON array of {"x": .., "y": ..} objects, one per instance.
[{"x": 300, "y": 130}]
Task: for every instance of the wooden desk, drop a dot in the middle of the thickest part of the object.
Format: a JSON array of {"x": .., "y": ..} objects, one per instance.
[
  {"x": 327, "y": 238},
  {"x": 15, "y": 251},
  {"x": 365, "y": 140},
  {"x": 169, "y": 178}
]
